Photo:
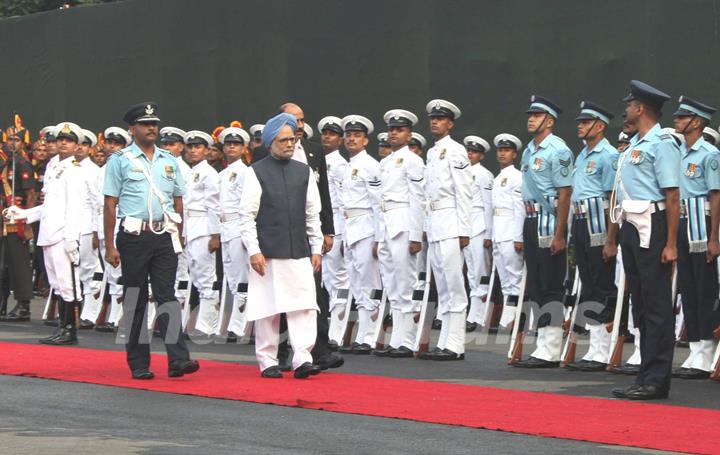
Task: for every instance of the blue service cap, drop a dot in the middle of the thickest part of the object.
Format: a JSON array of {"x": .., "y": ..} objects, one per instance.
[
  {"x": 542, "y": 104},
  {"x": 593, "y": 111},
  {"x": 645, "y": 93},
  {"x": 690, "y": 107}
]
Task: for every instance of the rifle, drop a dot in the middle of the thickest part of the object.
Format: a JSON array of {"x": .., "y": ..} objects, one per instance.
[
  {"x": 617, "y": 340},
  {"x": 517, "y": 337},
  {"x": 568, "y": 353},
  {"x": 489, "y": 305},
  {"x": 383, "y": 311}
]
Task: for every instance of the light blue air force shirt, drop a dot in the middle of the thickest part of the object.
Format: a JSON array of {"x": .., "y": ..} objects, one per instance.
[
  {"x": 594, "y": 173},
  {"x": 699, "y": 169},
  {"x": 546, "y": 168},
  {"x": 126, "y": 181},
  {"x": 651, "y": 165}
]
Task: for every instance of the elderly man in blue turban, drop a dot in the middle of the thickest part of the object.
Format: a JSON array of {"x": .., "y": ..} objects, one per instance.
[{"x": 280, "y": 227}]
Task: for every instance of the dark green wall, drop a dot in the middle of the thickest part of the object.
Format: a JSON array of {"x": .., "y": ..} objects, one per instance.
[{"x": 211, "y": 61}]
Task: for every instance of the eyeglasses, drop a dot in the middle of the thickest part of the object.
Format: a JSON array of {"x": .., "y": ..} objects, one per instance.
[{"x": 286, "y": 140}]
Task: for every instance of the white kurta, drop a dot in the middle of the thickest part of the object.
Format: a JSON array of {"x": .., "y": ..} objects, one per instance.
[{"x": 288, "y": 284}]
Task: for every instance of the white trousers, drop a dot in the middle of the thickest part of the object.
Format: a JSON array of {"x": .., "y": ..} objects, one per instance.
[
  {"x": 182, "y": 275},
  {"x": 363, "y": 271},
  {"x": 446, "y": 260},
  {"x": 302, "y": 330},
  {"x": 89, "y": 264},
  {"x": 334, "y": 271},
  {"x": 509, "y": 265},
  {"x": 201, "y": 267},
  {"x": 59, "y": 271},
  {"x": 236, "y": 267},
  {"x": 477, "y": 258},
  {"x": 399, "y": 269}
]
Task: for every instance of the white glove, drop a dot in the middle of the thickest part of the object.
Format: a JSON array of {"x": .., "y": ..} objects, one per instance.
[
  {"x": 14, "y": 213},
  {"x": 73, "y": 251},
  {"x": 508, "y": 316}
]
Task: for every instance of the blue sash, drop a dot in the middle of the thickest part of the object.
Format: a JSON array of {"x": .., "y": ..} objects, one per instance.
[{"x": 695, "y": 212}]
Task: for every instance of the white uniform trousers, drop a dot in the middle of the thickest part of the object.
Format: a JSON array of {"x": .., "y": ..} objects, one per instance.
[
  {"x": 236, "y": 266},
  {"x": 89, "y": 265},
  {"x": 59, "y": 271},
  {"x": 112, "y": 275},
  {"x": 201, "y": 266},
  {"x": 182, "y": 275},
  {"x": 399, "y": 272},
  {"x": 302, "y": 330},
  {"x": 363, "y": 271},
  {"x": 509, "y": 265},
  {"x": 477, "y": 259},
  {"x": 334, "y": 271},
  {"x": 446, "y": 261}
]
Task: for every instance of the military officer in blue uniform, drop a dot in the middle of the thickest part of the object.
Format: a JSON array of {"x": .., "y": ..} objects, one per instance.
[
  {"x": 649, "y": 208},
  {"x": 547, "y": 165},
  {"x": 143, "y": 189},
  {"x": 593, "y": 236},
  {"x": 698, "y": 245}
]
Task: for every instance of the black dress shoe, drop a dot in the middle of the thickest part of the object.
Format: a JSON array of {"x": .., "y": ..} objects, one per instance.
[
  {"x": 86, "y": 325},
  {"x": 429, "y": 355},
  {"x": 305, "y": 370},
  {"x": 50, "y": 322},
  {"x": 575, "y": 366},
  {"x": 284, "y": 365},
  {"x": 66, "y": 337},
  {"x": 333, "y": 346},
  {"x": 436, "y": 324},
  {"x": 183, "y": 367},
  {"x": 347, "y": 349},
  {"x": 272, "y": 372},
  {"x": 627, "y": 369},
  {"x": 646, "y": 392},
  {"x": 329, "y": 360},
  {"x": 534, "y": 362},
  {"x": 231, "y": 337},
  {"x": 107, "y": 327},
  {"x": 447, "y": 354},
  {"x": 401, "y": 352},
  {"x": 621, "y": 392},
  {"x": 471, "y": 326},
  {"x": 587, "y": 365},
  {"x": 690, "y": 373},
  {"x": 361, "y": 349},
  {"x": 142, "y": 373},
  {"x": 384, "y": 352}
]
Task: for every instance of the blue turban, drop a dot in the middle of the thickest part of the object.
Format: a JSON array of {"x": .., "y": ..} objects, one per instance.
[{"x": 274, "y": 125}]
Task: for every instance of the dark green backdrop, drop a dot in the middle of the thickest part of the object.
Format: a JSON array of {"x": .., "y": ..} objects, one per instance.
[{"x": 211, "y": 61}]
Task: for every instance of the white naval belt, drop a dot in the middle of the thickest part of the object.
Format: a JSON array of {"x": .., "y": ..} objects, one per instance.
[
  {"x": 196, "y": 213},
  {"x": 503, "y": 212},
  {"x": 447, "y": 203},
  {"x": 353, "y": 213},
  {"x": 225, "y": 217},
  {"x": 581, "y": 207},
  {"x": 386, "y": 206}
]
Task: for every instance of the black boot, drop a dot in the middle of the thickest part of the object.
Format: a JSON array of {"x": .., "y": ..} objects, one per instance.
[
  {"x": 21, "y": 312},
  {"x": 3, "y": 308},
  {"x": 68, "y": 330}
]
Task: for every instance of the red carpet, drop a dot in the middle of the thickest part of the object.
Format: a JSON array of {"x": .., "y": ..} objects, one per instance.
[{"x": 655, "y": 426}]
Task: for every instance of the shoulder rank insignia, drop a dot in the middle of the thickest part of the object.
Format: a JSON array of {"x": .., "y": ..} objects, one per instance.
[
  {"x": 442, "y": 154},
  {"x": 354, "y": 174},
  {"x": 636, "y": 156},
  {"x": 537, "y": 164},
  {"x": 233, "y": 176},
  {"x": 169, "y": 172},
  {"x": 565, "y": 163}
]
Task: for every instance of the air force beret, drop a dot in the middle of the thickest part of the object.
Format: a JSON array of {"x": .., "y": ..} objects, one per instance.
[
  {"x": 690, "y": 107},
  {"x": 70, "y": 131},
  {"x": 234, "y": 134},
  {"x": 357, "y": 123},
  {"x": 399, "y": 118},
  {"x": 331, "y": 123},
  {"x": 505, "y": 140},
  {"x": 592, "y": 111},
  {"x": 443, "y": 108},
  {"x": 119, "y": 135},
  {"x": 476, "y": 143},
  {"x": 171, "y": 134},
  {"x": 142, "y": 113},
  {"x": 542, "y": 104},
  {"x": 198, "y": 137},
  {"x": 647, "y": 94},
  {"x": 90, "y": 138}
]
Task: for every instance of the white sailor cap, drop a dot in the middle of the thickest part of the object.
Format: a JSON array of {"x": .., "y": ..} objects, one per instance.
[
  {"x": 46, "y": 133},
  {"x": 234, "y": 134},
  {"x": 443, "y": 108},
  {"x": 417, "y": 140},
  {"x": 90, "y": 137},
  {"x": 712, "y": 134},
  {"x": 623, "y": 138},
  {"x": 198, "y": 137},
  {"x": 399, "y": 117},
  {"x": 308, "y": 130},
  {"x": 383, "y": 140},
  {"x": 507, "y": 140},
  {"x": 117, "y": 134},
  {"x": 476, "y": 143},
  {"x": 679, "y": 138},
  {"x": 331, "y": 123},
  {"x": 355, "y": 122},
  {"x": 256, "y": 130},
  {"x": 172, "y": 134},
  {"x": 70, "y": 131}
]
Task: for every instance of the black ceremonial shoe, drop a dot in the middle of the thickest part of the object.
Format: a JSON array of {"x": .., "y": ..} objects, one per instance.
[
  {"x": 362, "y": 349},
  {"x": 272, "y": 372},
  {"x": 384, "y": 352},
  {"x": 305, "y": 370},
  {"x": 621, "y": 392},
  {"x": 627, "y": 369},
  {"x": 330, "y": 360},
  {"x": 86, "y": 325},
  {"x": 108, "y": 327},
  {"x": 447, "y": 354},
  {"x": 429, "y": 355},
  {"x": 401, "y": 352},
  {"x": 691, "y": 373},
  {"x": 471, "y": 326},
  {"x": 66, "y": 337},
  {"x": 142, "y": 373},
  {"x": 181, "y": 368},
  {"x": 646, "y": 392},
  {"x": 534, "y": 362}
]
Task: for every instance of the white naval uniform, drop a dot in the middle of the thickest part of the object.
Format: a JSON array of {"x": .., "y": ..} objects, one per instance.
[
  {"x": 288, "y": 285},
  {"x": 235, "y": 257},
  {"x": 401, "y": 222},
  {"x": 201, "y": 204},
  {"x": 448, "y": 189},
  {"x": 89, "y": 259},
  {"x": 360, "y": 196},
  {"x": 477, "y": 257},
  {"x": 60, "y": 222},
  {"x": 182, "y": 275},
  {"x": 334, "y": 270}
]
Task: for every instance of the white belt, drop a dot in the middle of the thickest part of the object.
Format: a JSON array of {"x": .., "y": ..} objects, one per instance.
[
  {"x": 196, "y": 213},
  {"x": 658, "y": 206},
  {"x": 392, "y": 205},
  {"x": 225, "y": 217},
  {"x": 447, "y": 203},
  {"x": 353, "y": 213},
  {"x": 503, "y": 212}
]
